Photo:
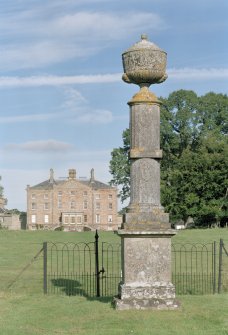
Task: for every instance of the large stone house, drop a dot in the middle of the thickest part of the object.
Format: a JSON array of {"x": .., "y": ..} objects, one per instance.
[
  {"x": 72, "y": 204},
  {"x": 8, "y": 220}
]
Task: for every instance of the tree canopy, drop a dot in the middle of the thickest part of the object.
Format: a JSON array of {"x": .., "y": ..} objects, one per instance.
[
  {"x": 1, "y": 188},
  {"x": 194, "y": 167}
]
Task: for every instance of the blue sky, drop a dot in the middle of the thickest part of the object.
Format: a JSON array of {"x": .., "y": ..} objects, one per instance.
[{"x": 63, "y": 103}]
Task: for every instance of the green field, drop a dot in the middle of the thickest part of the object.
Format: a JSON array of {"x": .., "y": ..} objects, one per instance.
[{"x": 25, "y": 310}]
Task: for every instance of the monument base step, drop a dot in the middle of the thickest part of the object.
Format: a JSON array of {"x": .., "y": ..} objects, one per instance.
[{"x": 143, "y": 304}]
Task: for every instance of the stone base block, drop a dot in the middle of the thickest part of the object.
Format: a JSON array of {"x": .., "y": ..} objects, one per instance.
[
  {"x": 156, "y": 296},
  {"x": 154, "y": 304}
]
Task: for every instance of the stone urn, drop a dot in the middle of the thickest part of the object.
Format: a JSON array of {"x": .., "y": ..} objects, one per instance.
[{"x": 144, "y": 63}]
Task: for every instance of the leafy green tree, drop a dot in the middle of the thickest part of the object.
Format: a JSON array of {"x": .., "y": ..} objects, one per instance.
[
  {"x": 1, "y": 189},
  {"x": 194, "y": 180}
]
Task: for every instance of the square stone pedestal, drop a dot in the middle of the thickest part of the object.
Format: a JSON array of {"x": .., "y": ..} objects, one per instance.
[{"x": 146, "y": 270}]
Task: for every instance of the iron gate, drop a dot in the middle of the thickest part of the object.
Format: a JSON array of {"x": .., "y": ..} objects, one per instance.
[{"x": 75, "y": 268}]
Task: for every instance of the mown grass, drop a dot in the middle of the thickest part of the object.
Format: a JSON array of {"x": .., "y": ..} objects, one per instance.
[{"x": 25, "y": 310}]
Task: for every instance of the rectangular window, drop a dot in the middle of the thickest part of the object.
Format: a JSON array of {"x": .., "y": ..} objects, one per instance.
[
  {"x": 110, "y": 205},
  {"x": 85, "y": 218},
  {"x": 33, "y": 218},
  {"x": 33, "y": 196},
  {"x": 33, "y": 205},
  {"x": 72, "y": 192},
  {"x": 46, "y": 205},
  {"x": 66, "y": 219},
  {"x": 46, "y": 218},
  {"x": 98, "y": 218},
  {"x": 98, "y": 205},
  {"x": 109, "y": 218},
  {"x": 97, "y": 196},
  {"x": 72, "y": 219},
  {"x": 59, "y": 203},
  {"x": 110, "y": 196},
  {"x": 85, "y": 193},
  {"x": 79, "y": 219},
  {"x": 72, "y": 204},
  {"x": 85, "y": 205},
  {"x": 45, "y": 196},
  {"x": 60, "y": 193}
]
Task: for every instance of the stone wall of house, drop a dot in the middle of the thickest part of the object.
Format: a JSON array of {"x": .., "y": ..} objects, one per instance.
[
  {"x": 10, "y": 221},
  {"x": 72, "y": 204}
]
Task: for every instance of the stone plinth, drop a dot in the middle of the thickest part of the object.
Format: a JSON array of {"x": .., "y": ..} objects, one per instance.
[{"x": 146, "y": 270}]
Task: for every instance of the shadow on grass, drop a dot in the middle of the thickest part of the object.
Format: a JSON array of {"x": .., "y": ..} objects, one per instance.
[{"x": 72, "y": 287}]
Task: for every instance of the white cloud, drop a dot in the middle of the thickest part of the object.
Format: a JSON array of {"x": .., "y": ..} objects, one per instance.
[
  {"x": 79, "y": 111},
  {"x": 34, "y": 40},
  {"x": 58, "y": 80},
  {"x": 27, "y": 118},
  {"x": 48, "y": 80},
  {"x": 40, "y": 146},
  {"x": 198, "y": 73}
]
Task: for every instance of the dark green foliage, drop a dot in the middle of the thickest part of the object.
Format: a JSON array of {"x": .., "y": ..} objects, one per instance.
[
  {"x": 194, "y": 168},
  {"x": 1, "y": 189}
]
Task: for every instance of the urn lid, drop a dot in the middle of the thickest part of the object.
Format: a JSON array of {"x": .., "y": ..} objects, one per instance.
[{"x": 143, "y": 44}]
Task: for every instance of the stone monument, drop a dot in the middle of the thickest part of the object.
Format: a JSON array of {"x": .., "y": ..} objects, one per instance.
[{"x": 146, "y": 233}]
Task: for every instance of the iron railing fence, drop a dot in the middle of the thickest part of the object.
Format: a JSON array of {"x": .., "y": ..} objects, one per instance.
[
  {"x": 94, "y": 269},
  {"x": 194, "y": 268}
]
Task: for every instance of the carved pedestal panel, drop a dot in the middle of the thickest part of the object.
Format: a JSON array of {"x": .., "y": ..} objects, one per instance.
[{"x": 146, "y": 271}]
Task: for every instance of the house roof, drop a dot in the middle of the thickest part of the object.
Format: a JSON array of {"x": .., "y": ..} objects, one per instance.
[{"x": 47, "y": 185}]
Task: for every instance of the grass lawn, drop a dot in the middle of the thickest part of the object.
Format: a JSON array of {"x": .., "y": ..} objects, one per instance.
[{"x": 25, "y": 310}]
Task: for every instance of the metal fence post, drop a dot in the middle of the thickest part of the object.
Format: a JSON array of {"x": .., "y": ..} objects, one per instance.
[
  {"x": 214, "y": 267},
  {"x": 45, "y": 267},
  {"x": 220, "y": 266},
  {"x": 97, "y": 263}
]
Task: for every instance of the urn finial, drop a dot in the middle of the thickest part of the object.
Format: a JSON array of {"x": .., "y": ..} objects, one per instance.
[{"x": 144, "y": 63}]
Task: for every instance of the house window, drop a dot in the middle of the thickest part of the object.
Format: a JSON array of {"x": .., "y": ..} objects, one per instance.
[
  {"x": 110, "y": 205},
  {"x": 97, "y": 196},
  {"x": 33, "y": 218},
  {"x": 79, "y": 219},
  {"x": 33, "y": 205},
  {"x": 66, "y": 219},
  {"x": 73, "y": 219},
  {"x": 110, "y": 196},
  {"x": 85, "y": 193},
  {"x": 72, "y": 192},
  {"x": 60, "y": 193},
  {"x": 46, "y": 218},
  {"x": 33, "y": 196},
  {"x": 85, "y": 218},
  {"x": 72, "y": 204},
  {"x": 85, "y": 205},
  {"x": 98, "y": 205},
  {"x": 45, "y": 196},
  {"x": 59, "y": 203},
  {"x": 109, "y": 218},
  {"x": 46, "y": 205},
  {"x": 98, "y": 218}
]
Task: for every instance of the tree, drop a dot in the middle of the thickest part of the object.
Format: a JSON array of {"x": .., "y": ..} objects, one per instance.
[
  {"x": 194, "y": 167},
  {"x": 120, "y": 166},
  {"x": 1, "y": 189}
]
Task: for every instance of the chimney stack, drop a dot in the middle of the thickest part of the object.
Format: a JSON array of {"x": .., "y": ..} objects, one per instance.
[
  {"x": 92, "y": 176},
  {"x": 51, "y": 176},
  {"x": 72, "y": 174}
]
